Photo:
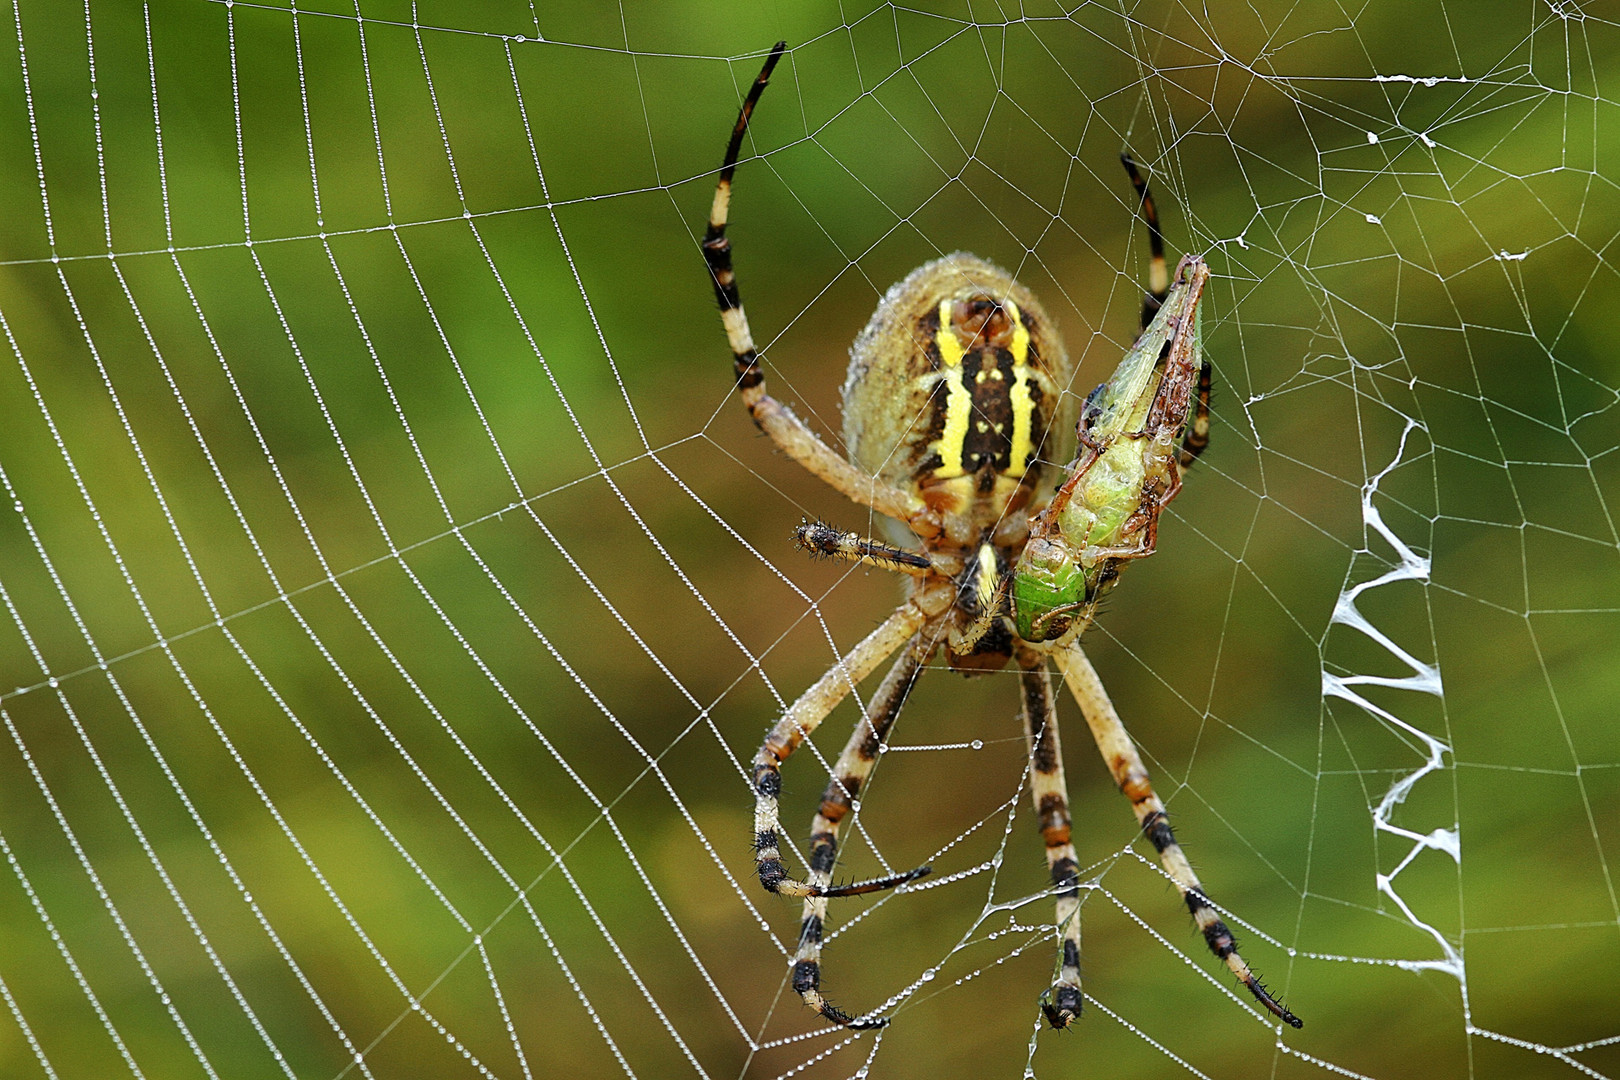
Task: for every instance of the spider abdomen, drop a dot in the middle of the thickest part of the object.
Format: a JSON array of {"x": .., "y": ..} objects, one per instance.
[{"x": 956, "y": 390}]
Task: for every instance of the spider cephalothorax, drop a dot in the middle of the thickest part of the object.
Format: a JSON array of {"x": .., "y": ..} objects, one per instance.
[{"x": 956, "y": 412}]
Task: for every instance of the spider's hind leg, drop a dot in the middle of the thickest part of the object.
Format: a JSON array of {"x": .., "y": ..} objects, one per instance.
[
  {"x": 1196, "y": 440},
  {"x": 786, "y": 430},
  {"x": 1050, "y": 791},
  {"x": 1197, "y": 437},
  {"x": 1158, "y": 272}
]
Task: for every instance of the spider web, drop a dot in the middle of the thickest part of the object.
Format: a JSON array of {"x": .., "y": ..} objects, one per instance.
[{"x": 395, "y": 594}]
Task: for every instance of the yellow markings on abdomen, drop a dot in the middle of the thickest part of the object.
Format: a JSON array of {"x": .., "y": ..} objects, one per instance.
[
  {"x": 951, "y": 446},
  {"x": 958, "y": 400},
  {"x": 1023, "y": 403}
]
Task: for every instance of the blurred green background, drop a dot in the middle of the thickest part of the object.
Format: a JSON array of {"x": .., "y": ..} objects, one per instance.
[{"x": 393, "y": 588}]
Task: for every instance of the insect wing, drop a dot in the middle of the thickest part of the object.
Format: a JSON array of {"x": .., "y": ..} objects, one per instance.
[{"x": 1107, "y": 509}]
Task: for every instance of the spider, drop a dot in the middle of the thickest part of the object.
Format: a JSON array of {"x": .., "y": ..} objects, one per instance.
[{"x": 955, "y": 408}]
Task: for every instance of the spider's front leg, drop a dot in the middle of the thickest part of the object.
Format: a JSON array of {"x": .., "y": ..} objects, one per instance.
[
  {"x": 1050, "y": 792},
  {"x": 849, "y": 776},
  {"x": 1132, "y": 777},
  {"x": 799, "y": 722}
]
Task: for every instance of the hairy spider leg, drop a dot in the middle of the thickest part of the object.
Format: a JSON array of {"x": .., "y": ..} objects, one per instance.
[
  {"x": 1197, "y": 437},
  {"x": 849, "y": 775},
  {"x": 823, "y": 541},
  {"x": 1132, "y": 777},
  {"x": 801, "y": 720},
  {"x": 786, "y": 430},
  {"x": 1050, "y": 792},
  {"x": 1196, "y": 441},
  {"x": 1158, "y": 272}
]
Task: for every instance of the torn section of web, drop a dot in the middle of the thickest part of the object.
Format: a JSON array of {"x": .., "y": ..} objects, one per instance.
[{"x": 1423, "y": 679}]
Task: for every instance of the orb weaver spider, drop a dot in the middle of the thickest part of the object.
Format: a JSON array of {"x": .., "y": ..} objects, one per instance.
[{"x": 955, "y": 407}]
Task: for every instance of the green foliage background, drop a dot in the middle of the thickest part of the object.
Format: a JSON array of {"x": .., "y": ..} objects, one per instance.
[{"x": 376, "y": 486}]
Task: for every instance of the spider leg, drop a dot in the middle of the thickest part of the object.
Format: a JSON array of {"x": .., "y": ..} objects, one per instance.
[
  {"x": 822, "y": 540},
  {"x": 849, "y": 774},
  {"x": 1050, "y": 791},
  {"x": 1132, "y": 777},
  {"x": 1158, "y": 273},
  {"x": 801, "y": 719},
  {"x": 1197, "y": 437},
  {"x": 787, "y": 431}
]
